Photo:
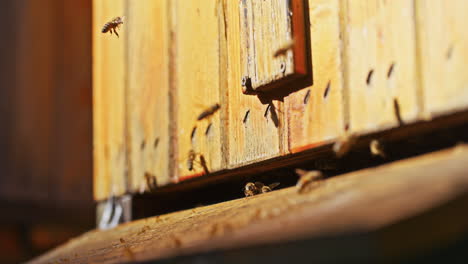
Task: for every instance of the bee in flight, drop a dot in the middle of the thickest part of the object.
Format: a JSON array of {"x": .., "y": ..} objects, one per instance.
[
  {"x": 113, "y": 25},
  {"x": 208, "y": 112}
]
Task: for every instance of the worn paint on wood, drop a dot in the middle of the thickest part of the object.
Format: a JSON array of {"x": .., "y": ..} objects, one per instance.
[
  {"x": 272, "y": 42},
  {"x": 316, "y": 113},
  {"x": 109, "y": 78},
  {"x": 379, "y": 53},
  {"x": 255, "y": 130},
  {"x": 147, "y": 89},
  {"x": 196, "y": 77},
  {"x": 442, "y": 55}
]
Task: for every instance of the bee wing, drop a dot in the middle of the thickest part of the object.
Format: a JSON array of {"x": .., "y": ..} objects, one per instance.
[
  {"x": 274, "y": 185},
  {"x": 259, "y": 185}
]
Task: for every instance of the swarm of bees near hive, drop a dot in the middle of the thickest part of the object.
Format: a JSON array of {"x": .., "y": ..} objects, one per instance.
[
  {"x": 113, "y": 25},
  {"x": 252, "y": 189}
]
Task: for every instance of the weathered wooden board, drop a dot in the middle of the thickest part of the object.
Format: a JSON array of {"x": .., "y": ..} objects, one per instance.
[
  {"x": 148, "y": 93},
  {"x": 365, "y": 200},
  {"x": 195, "y": 84},
  {"x": 255, "y": 130},
  {"x": 109, "y": 78},
  {"x": 272, "y": 42},
  {"x": 442, "y": 51},
  {"x": 380, "y": 66},
  {"x": 316, "y": 114}
]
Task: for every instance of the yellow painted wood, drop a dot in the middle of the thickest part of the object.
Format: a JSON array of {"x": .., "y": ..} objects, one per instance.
[
  {"x": 196, "y": 82},
  {"x": 377, "y": 35},
  {"x": 266, "y": 27},
  {"x": 109, "y": 75},
  {"x": 147, "y": 35},
  {"x": 315, "y": 114},
  {"x": 443, "y": 55},
  {"x": 251, "y": 135}
]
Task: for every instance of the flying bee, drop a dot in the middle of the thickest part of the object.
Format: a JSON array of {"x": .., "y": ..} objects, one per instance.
[
  {"x": 113, "y": 25},
  {"x": 377, "y": 149},
  {"x": 209, "y": 112},
  {"x": 252, "y": 189},
  {"x": 306, "y": 178},
  {"x": 192, "y": 160},
  {"x": 284, "y": 49}
]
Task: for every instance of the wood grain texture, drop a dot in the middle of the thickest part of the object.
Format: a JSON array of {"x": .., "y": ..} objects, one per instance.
[
  {"x": 265, "y": 28},
  {"x": 379, "y": 53},
  {"x": 253, "y": 133},
  {"x": 442, "y": 55},
  {"x": 148, "y": 91},
  {"x": 109, "y": 78},
  {"x": 365, "y": 200},
  {"x": 315, "y": 114},
  {"x": 196, "y": 77}
]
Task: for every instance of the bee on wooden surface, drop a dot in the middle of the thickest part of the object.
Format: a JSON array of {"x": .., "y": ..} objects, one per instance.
[
  {"x": 209, "y": 112},
  {"x": 306, "y": 179},
  {"x": 151, "y": 181},
  {"x": 252, "y": 189},
  {"x": 113, "y": 25},
  {"x": 191, "y": 159},
  {"x": 284, "y": 49}
]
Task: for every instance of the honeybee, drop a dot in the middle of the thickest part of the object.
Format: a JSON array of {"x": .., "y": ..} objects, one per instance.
[
  {"x": 283, "y": 49},
  {"x": 376, "y": 148},
  {"x": 151, "y": 181},
  {"x": 192, "y": 160},
  {"x": 344, "y": 145},
  {"x": 306, "y": 178},
  {"x": 252, "y": 189},
  {"x": 208, "y": 112},
  {"x": 113, "y": 25}
]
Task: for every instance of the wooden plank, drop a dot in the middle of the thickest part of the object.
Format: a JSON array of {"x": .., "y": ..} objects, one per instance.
[
  {"x": 253, "y": 133},
  {"x": 267, "y": 27},
  {"x": 442, "y": 55},
  {"x": 148, "y": 91},
  {"x": 32, "y": 101},
  {"x": 315, "y": 115},
  {"x": 380, "y": 68},
  {"x": 73, "y": 140},
  {"x": 109, "y": 75},
  {"x": 196, "y": 84},
  {"x": 371, "y": 199}
]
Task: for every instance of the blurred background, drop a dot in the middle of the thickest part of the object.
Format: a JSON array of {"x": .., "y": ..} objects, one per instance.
[{"x": 46, "y": 125}]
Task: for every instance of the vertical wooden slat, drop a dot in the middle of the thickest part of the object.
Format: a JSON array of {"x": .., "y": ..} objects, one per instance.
[
  {"x": 196, "y": 73},
  {"x": 31, "y": 151},
  {"x": 148, "y": 101},
  {"x": 109, "y": 77},
  {"x": 315, "y": 114},
  {"x": 443, "y": 55},
  {"x": 253, "y": 136},
  {"x": 380, "y": 71},
  {"x": 73, "y": 102}
]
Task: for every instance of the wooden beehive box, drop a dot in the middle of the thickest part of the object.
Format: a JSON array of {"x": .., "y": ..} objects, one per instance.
[{"x": 348, "y": 67}]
